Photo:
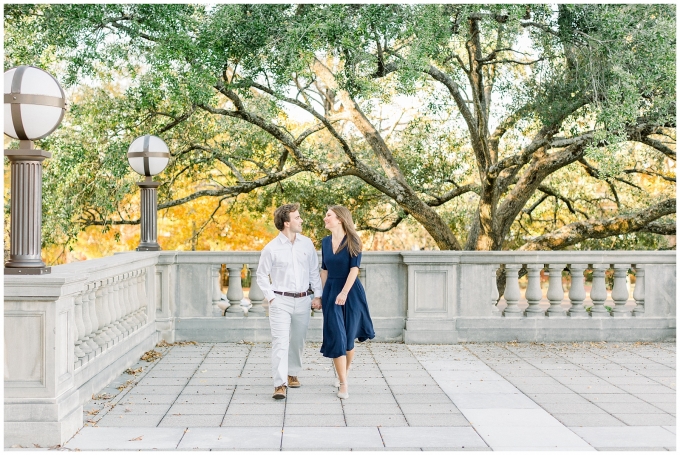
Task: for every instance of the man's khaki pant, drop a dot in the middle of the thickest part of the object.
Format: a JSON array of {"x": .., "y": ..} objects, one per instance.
[{"x": 288, "y": 320}]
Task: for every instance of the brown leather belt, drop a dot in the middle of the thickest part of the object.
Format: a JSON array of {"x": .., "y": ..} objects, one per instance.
[{"x": 297, "y": 295}]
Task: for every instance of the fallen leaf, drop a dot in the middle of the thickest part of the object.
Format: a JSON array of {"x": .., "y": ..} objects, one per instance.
[{"x": 138, "y": 438}]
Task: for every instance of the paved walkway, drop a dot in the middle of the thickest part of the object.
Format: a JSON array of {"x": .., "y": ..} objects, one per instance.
[{"x": 491, "y": 396}]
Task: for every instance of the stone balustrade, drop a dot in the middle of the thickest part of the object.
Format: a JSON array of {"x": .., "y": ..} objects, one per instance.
[
  {"x": 577, "y": 291},
  {"x": 106, "y": 312},
  {"x": 69, "y": 333}
]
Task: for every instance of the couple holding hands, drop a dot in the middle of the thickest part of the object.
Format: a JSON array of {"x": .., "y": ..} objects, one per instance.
[{"x": 288, "y": 274}]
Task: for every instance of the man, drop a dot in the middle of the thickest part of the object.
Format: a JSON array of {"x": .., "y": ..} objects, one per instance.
[{"x": 288, "y": 273}]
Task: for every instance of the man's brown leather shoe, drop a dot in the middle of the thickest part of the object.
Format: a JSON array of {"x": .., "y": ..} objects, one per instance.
[
  {"x": 293, "y": 382},
  {"x": 279, "y": 392}
]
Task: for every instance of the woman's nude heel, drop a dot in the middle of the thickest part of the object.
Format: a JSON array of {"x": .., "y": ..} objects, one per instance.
[
  {"x": 345, "y": 395},
  {"x": 337, "y": 381}
]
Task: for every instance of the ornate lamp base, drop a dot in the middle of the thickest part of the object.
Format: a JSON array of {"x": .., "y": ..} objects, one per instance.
[
  {"x": 148, "y": 248},
  {"x": 28, "y": 270}
]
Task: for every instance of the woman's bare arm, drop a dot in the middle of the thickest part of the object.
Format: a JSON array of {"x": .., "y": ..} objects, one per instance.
[{"x": 353, "y": 274}]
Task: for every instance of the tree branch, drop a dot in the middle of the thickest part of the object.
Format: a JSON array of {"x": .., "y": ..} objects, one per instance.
[
  {"x": 576, "y": 232},
  {"x": 660, "y": 146},
  {"x": 652, "y": 173},
  {"x": 550, "y": 192},
  {"x": 241, "y": 188},
  {"x": 454, "y": 193},
  {"x": 660, "y": 228},
  {"x": 392, "y": 225}
]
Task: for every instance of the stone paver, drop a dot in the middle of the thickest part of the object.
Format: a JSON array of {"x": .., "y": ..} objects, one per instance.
[{"x": 477, "y": 396}]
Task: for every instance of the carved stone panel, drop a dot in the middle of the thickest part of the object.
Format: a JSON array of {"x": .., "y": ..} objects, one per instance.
[
  {"x": 25, "y": 349},
  {"x": 430, "y": 291}
]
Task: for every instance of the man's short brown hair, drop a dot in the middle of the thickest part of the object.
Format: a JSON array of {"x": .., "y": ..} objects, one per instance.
[{"x": 282, "y": 214}]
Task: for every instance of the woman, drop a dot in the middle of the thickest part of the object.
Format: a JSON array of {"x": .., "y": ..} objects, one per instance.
[{"x": 345, "y": 311}]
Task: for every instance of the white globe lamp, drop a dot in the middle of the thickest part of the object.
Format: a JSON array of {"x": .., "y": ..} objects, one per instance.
[
  {"x": 148, "y": 155},
  {"x": 34, "y": 107}
]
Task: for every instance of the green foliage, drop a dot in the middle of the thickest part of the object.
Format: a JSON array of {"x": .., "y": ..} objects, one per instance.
[{"x": 134, "y": 69}]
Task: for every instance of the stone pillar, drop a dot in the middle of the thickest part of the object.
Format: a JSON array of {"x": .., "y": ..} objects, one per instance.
[
  {"x": 639, "y": 291},
  {"x": 620, "y": 291},
  {"x": 512, "y": 293},
  {"x": 235, "y": 291},
  {"x": 598, "y": 293},
  {"x": 555, "y": 291},
  {"x": 26, "y": 211},
  {"x": 534, "y": 294},
  {"x": 255, "y": 294},
  {"x": 577, "y": 292},
  {"x": 149, "y": 207}
]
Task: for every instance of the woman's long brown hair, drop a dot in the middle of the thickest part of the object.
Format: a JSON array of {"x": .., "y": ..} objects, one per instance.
[{"x": 352, "y": 240}]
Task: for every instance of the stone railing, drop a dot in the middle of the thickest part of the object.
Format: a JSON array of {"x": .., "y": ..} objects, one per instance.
[
  {"x": 68, "y": 334},
  {"x": 189, "y": 305},
  {"x": 647, "y": 313}
]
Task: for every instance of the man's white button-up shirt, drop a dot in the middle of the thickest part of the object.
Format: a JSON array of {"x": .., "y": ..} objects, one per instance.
[{"x": 291, "y": 266}]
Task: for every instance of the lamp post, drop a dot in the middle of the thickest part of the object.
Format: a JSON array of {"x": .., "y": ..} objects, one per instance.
[
  {"x": 148, "y": 155},
  {"x": 34, "y": 108}
]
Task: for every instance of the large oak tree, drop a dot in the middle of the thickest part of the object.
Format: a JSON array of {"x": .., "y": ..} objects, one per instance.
[{"x": 492, "y": 126}]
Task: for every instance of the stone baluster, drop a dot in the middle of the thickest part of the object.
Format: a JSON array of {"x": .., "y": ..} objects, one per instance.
[
  {"x": 90, "y": 322},
  {"x": 125, "y": 302},
  {"x": 216, "y": 290},
  {"x": 141, "y": 292},
  {"x": 494, "y": 290},
  {"x": 620, "y": 291},
  {"x": 89, "y": 299},
  {"x": 108, "y": 317},
  {"x": 598, "y": 293},
  {"x": 235, "y": 292},
  {"x": 639, "y": 291},
  {"x": 103, "y": 333},
  {"x": 255, "y": 294},
  {"x": 108, "y": 301},
  {"x": 115, "y": 300},
  {"x": 141, "y": 296},
  {"x": 555, "y": 291},
  {"x": 80, "y": 353},
  {"x": 87, "y": 346},
  {"x": 135, "y": 317},
  {"x": 577, "y": 292},
  {"x": 119, "y": 298},
  {"x": 121, "y": 303},
  {"x": 130, "y": 301},
  {"x": 534, "y": 294},
  {"x": 512, "y": 293}
]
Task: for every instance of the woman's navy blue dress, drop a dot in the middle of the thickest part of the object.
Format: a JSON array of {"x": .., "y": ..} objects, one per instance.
[{"x": 342, "y": 324}]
